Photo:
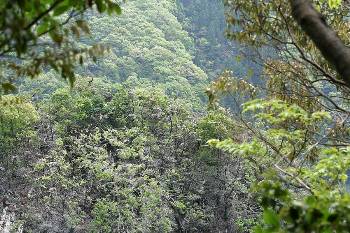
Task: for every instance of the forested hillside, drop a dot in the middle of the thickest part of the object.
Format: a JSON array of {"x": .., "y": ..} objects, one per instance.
[
  {"x": 170, "y": 45},
  {"x": 205, "y": 21},
  {"x": 124, "y": 150},
  {"x": 174, "y": 116},
  {"x": 151, "y": 48}
]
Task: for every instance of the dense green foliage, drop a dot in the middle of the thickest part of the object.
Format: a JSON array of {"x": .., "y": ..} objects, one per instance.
[
  {"x": 151, "y": 48},
  {"x": 132, "y": 146},
  {"x": 126, "y": 157},
  {"x": 123, "y": 160}
]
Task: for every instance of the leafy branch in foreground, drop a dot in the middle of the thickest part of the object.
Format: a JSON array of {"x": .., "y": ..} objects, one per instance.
[
  {"x": 300, "y": 183},
  {"x": 38, "y": 34}
]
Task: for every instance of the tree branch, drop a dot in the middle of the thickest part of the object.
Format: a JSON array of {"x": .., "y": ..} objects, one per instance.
[
  {"x": 43, "y": 14},
  {"x": 324, "y": 37}
]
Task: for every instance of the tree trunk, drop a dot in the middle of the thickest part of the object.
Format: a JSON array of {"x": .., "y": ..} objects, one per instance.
[{"x": 324, "y": 37}]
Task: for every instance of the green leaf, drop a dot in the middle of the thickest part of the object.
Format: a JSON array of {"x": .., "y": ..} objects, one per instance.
[
  {"x": 116, "y": 8},
  {"x": 334, "y": 3},
  {"x": 272, "y": 219},
  {"x": 56, "y": 37},
  {"x": 101, "y": 7},
  {"x": 62, "y": 8},
  {"x": 42, "y": 28}
]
